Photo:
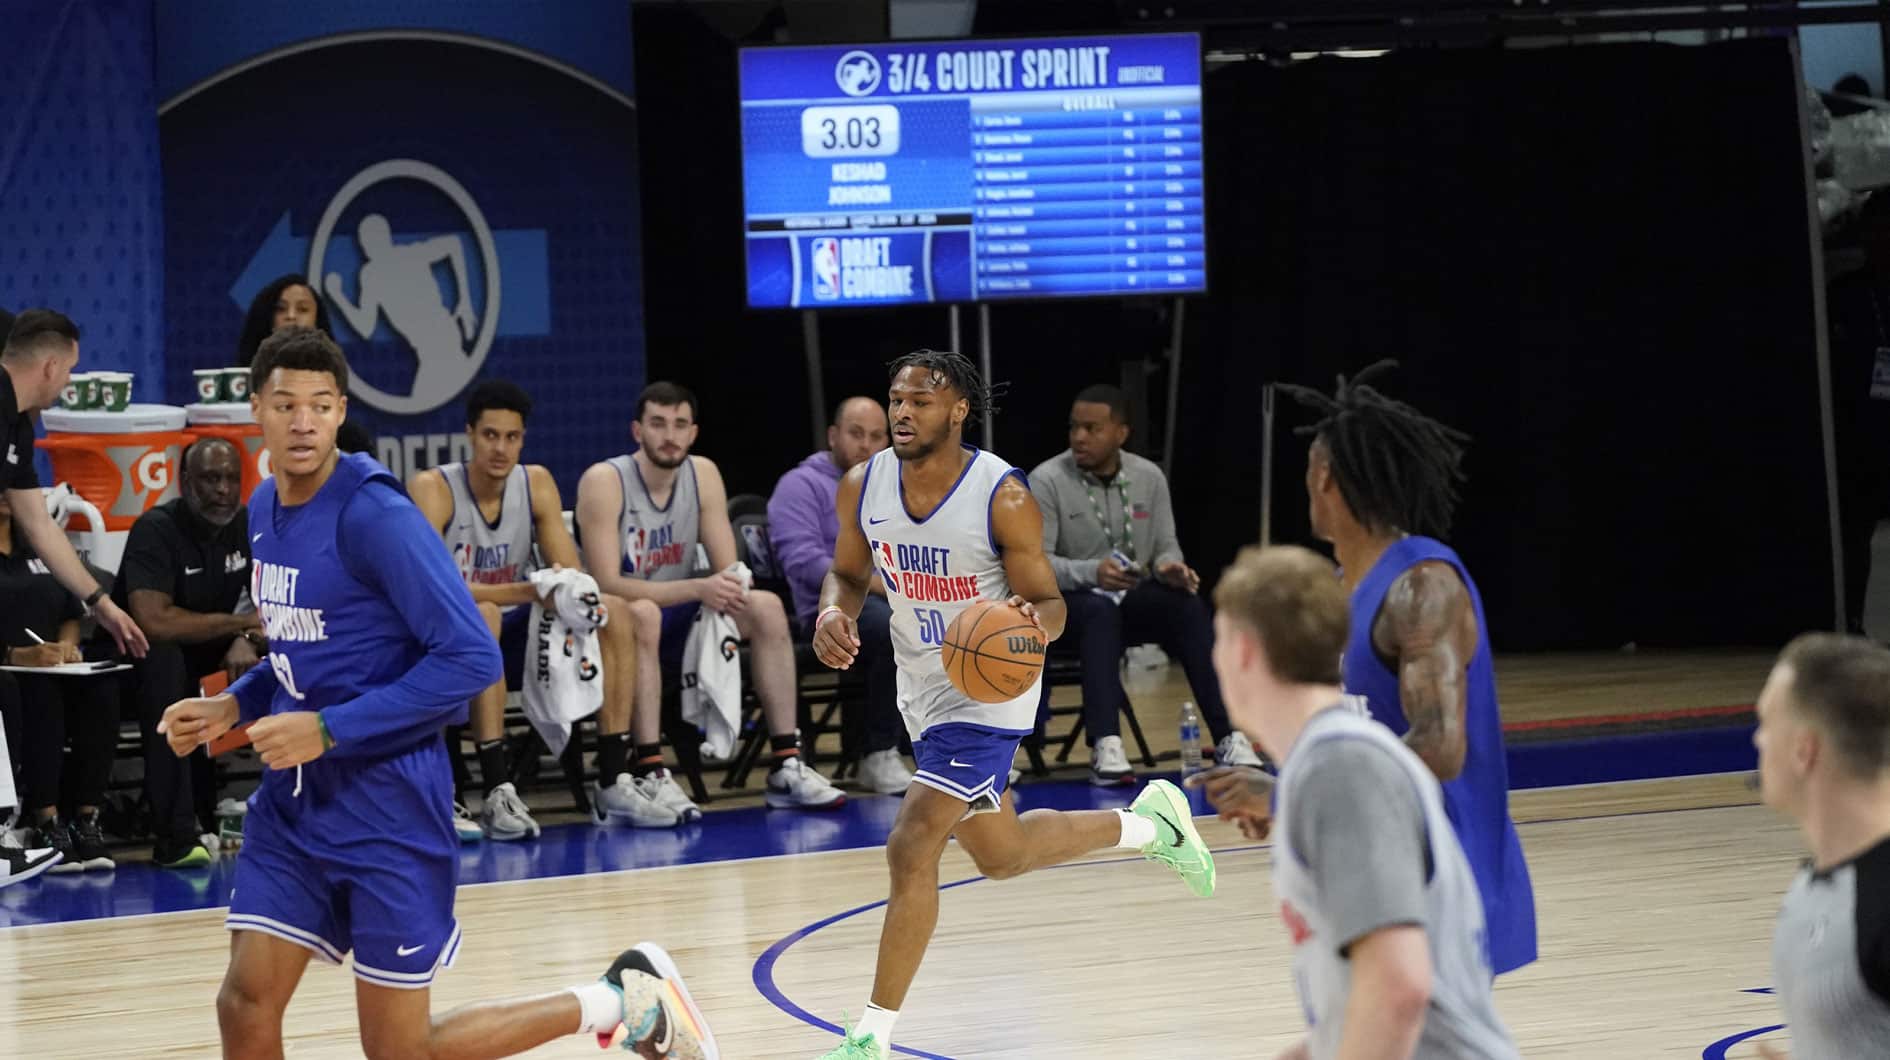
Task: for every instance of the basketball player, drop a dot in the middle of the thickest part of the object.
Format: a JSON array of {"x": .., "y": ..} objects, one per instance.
[
  {"x": 374, "y": 645},
  {"x": 1374, "y": 889},
  {"x": 498, "y": 518},
  {"x": 933, "y": 505},
  {"x": 1381, "y": 478},
  {"x": 640, "y": 518},
  {"x": 1824, "y": 761}
]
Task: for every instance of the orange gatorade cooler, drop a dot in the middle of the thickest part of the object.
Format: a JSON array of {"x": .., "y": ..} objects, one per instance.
[
  {"x": 232, "y": 420},
  {"x": 124, "y": 463}
]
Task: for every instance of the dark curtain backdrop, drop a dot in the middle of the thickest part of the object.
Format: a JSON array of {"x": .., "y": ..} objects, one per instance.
[{"x": 1592, "y": 259}]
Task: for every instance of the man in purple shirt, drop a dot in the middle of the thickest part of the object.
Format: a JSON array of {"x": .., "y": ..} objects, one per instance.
[{"x": 803, "y": 526}]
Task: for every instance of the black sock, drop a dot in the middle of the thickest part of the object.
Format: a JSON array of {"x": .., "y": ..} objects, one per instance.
[
  {"x": 613, "y": 749},
  {"x": 649, "y": 759},
  {"x": 492, "y": 762},
  {"x": 784, "y": 747}
]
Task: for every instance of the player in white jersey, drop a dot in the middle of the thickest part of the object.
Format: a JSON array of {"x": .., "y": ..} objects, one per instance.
[
  {"x": 502, "y": 520},
  {"x": 1377, "y": 895},
  {"x": 944, "y": 526}
]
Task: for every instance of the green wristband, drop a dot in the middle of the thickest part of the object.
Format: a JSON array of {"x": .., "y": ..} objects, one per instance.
[{"x": 328, "y": 741}]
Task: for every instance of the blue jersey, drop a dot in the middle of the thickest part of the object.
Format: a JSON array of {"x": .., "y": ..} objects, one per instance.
[
  {"x": 1477, "y": 801},
  {"x": 370, "y": 623}
]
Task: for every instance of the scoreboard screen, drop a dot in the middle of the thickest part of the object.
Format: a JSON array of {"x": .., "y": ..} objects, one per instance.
[{"x": 972, "y": 170}]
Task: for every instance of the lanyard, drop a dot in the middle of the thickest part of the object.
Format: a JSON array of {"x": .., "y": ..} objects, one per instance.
[{"x": 1127, "y": 544}]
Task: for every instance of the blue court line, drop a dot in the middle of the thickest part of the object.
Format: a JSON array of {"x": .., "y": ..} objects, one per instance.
[{"x": 1717, "y": 1050}]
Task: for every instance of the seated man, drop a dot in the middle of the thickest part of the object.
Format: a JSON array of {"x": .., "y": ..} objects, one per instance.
[
  {"x": 185, "y": 579},
  {"x": 640, "y": 518},
  {"x": 1109, "y": 528},
  {"x": 803, "y": 526},
  {"x": 40, "y": 627},
  {"x": 499, "y": 517}
]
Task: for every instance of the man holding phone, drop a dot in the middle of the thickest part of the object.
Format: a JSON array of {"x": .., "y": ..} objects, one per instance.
[{"x": 1109, "y": 530}]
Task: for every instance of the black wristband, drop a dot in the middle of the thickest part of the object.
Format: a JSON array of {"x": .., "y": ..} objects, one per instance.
[{"x": 97, "y": 595}]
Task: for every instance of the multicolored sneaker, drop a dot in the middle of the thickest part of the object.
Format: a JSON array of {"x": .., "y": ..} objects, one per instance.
[
  {"x": 864, "y": 1047},
  {"x": 1176, "y": 844},
  {"x": 660, "y": 1019}
]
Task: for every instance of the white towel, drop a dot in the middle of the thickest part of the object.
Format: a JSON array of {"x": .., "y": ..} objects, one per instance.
[
  {"x": 564, "y": 665},
  {"x": 712, "y": 677}
]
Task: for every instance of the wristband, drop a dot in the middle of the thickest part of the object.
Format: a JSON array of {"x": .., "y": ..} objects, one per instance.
[
  {"x": 328, "y": 741},
  {"x": 97, "y": 595},
  {"x": 831, "y": 609}
]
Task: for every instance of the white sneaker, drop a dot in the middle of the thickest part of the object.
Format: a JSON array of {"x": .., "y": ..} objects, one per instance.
[
  {"x": 1108, "y": 765},
  {"x": 17, "y": 865},
  {"x": 1236, "y": 750},
  {"x": 670, "y": 794},
  {"x": 797, "y": 786},
  {"x": 465, "y": 825},
  {"x": 504, "y": 816},
  {"x": 634, "y": 800},
  {"x": 885, "y": 772}
]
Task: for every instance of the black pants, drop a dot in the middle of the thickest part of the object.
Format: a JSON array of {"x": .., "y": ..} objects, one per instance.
[
  {"x": 44, "y": 713},
  {"x": 1098, "y": 627},
  {"x": 182, "y": 790},
  {"x": 883, "y": 724}
]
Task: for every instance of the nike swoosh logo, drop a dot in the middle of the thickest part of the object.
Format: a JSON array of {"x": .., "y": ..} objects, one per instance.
[
  {"x": 1171, "y": 824},
  {"x": 876, "y": 522},
  {"x": 668, "y": 1031},
  {"x": 956, "y": 764},
  {"x": 407, "y": 951},
  {"x": 255, "y": 538},
  {"x": 188, "y": 571}
]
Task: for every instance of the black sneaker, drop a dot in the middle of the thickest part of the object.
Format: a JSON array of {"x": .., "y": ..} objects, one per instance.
[
  {"x": 88, "y": 839},
  {"x": 53, "y": 834},
  {"x": 17, "y": 865}
]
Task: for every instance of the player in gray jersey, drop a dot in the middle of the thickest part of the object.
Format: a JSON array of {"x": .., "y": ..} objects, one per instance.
[
  {"x": 1375, "y": 891},
  {"x": 502, "y": 520},
  {"x": 1824, "y": 761}
]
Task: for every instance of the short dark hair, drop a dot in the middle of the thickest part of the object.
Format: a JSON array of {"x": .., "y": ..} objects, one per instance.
[
  {"x": 1841, "y": 684},
  {"x": 501, "y": 394},
  {"x": 38, "y": 331},
  {"x": 205, "y": 444},
  {"x": 1105, "y": 394},
  {"x": 1292, "y": 598},
  {"x": 298, "y": 349},
  {"x": 956, "y": 371},
  {"x": 665, "y": 393}
]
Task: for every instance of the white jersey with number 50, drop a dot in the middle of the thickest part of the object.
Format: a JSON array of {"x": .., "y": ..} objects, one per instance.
[{"x": 933, "y": 568}]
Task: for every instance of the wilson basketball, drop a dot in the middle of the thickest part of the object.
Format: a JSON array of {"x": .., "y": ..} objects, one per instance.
[{"x": 992, "y": 653}]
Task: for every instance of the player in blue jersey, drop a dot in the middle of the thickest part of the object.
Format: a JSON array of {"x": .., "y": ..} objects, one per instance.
[
  {"x": 374, "y": 645},
  {"x": 1381, "y": 479}
]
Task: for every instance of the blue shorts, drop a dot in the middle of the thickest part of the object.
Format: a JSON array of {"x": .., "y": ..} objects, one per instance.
[
  {"x": 363, "y": 859},
  {"x": 514, "y": 627},
  {"x": 967, "y": 762},
  {"x": 677, "y": 618}
]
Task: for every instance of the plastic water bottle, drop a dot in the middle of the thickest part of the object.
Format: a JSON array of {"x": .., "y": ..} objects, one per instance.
[{"x": 1190, "y": 740}]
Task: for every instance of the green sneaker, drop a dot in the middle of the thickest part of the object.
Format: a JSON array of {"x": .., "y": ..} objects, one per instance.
[
  {"x": 1177, "y": 845},
  {"x": 857, "y": 1049}
]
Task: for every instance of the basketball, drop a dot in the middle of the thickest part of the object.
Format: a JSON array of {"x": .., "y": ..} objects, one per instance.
[{"x": 992, "y": 653}]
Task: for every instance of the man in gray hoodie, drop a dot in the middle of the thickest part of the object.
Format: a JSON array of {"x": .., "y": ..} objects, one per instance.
[{"x": 803, "y": 526}]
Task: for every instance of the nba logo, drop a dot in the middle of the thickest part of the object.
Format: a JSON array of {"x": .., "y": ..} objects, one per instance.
[{"x": 826, "y": 255}]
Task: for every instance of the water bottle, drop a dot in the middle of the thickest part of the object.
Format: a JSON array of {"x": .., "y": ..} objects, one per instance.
[{"x": 1190, "y": 740}]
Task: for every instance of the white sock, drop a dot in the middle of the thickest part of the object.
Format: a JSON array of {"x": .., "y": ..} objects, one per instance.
[
  {"x": 602, "y": 1007},
  {"x": 1137, "y": 831},
  {"x": 877, "y": 1022}
]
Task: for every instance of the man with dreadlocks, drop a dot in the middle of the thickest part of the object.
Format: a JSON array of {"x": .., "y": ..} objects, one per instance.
[
  {"x": 1382, "y": 481},
  {"x": 932, "y": 504}
]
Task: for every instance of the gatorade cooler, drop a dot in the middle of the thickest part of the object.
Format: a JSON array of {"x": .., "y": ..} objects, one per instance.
[
  {"x": 124, "y": 463},
  {"x": 232, "y": 421}
]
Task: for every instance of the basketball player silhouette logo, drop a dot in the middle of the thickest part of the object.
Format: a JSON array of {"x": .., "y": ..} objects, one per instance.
[{"x": 396, "y": 282}]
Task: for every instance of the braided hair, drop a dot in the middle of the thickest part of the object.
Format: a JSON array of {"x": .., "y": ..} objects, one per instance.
[
  {"x": 1397, "y": 468},
  {"x": 956, "y": 370}
]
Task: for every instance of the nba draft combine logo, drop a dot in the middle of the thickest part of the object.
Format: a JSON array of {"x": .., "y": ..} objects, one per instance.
[
  {"x": 923, "y": 573},
  {"x": 485, "y": 564},
  {"x": 645, "y": 552},
  {"x": 394, "y": 279}
]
